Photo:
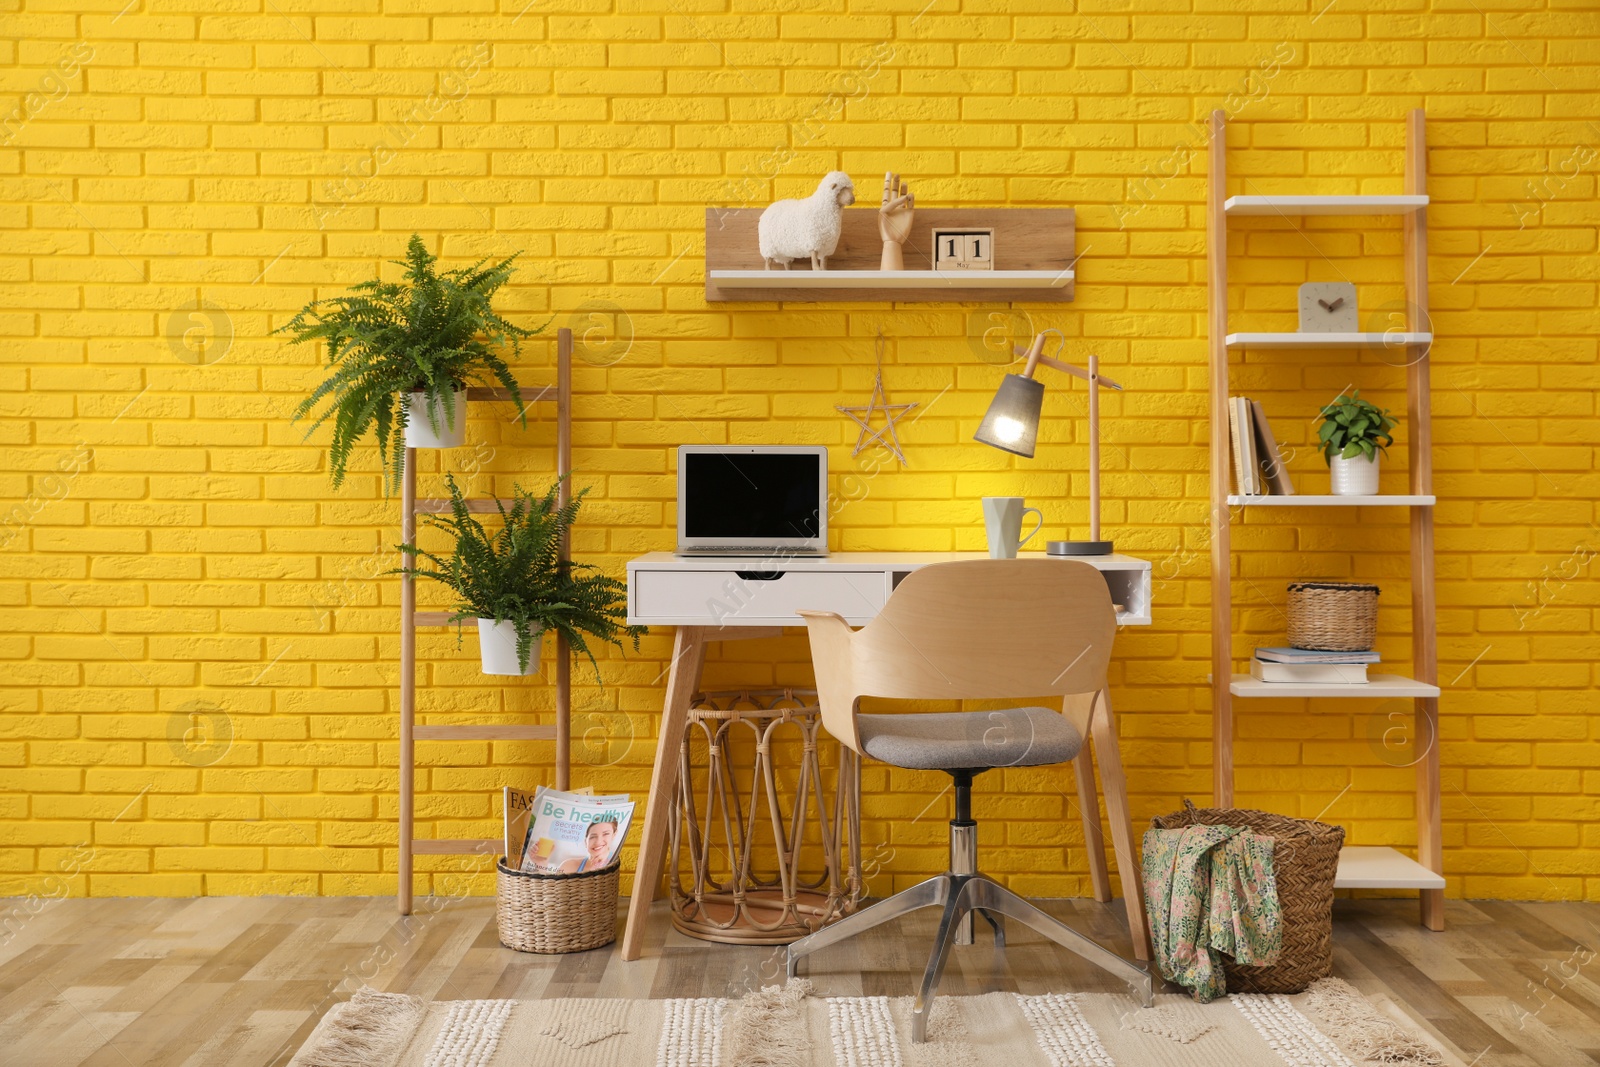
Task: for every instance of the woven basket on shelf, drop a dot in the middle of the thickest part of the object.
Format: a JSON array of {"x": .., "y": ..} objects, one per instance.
[
  {"x": 556, "y": 912},
  {"x": 1305, "y": 858},
  {"x": 1333, "y": 616}
]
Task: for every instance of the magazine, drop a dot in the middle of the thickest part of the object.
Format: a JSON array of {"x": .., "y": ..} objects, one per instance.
[
  {"x": 517, "y": 807},
  {"x": 569, "y": 833}
]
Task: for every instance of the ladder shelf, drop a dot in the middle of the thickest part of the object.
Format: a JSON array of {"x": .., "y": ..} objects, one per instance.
[
  {"x": 559, "y": 393},
  {"x": 1360, "y": 867}
]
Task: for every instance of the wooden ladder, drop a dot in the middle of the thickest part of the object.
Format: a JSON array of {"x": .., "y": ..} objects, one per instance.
[{"x": 560, "y": 394}]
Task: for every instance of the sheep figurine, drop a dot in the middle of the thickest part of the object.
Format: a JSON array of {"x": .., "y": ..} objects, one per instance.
[{"x": 797, "y": 229}]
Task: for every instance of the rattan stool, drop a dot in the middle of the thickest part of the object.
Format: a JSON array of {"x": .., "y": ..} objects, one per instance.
[{"x": 747, "y": 818}]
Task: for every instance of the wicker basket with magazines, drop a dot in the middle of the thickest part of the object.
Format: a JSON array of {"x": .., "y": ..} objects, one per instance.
[{"x": 553, "y": 913}]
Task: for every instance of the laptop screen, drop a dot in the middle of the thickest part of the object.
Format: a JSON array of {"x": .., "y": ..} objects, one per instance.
[{"x": 741, "y": 495}]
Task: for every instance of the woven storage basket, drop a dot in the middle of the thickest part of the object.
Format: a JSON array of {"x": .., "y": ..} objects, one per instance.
[
  {"x": 556, "y": 912},
  {"x": 1305, "y": 859},
  {"x": 1333, "y": 616}
]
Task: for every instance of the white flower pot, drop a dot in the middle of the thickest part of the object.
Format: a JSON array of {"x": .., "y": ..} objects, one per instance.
[
  {"x": 430, "y": 426},
  {"x": 497, "y": 643},
  {"x": 1357, "y": 476}
]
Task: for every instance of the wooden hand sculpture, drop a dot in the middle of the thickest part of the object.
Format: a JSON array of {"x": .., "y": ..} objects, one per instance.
[{"x": 894, "y": 221}]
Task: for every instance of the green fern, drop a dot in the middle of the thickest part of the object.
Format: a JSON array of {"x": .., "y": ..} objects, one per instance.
[
  {"x": 432, "y": 332},
  {"x": 517, "y": 574}
]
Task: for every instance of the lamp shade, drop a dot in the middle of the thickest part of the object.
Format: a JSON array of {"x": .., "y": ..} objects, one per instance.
[{"x": 1012, "y": 422}]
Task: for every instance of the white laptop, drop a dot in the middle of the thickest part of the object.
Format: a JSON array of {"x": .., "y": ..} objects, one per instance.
[{"x": 752, "y": 500}]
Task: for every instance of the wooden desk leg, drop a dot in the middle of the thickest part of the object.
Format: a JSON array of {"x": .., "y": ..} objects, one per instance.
[
  {"x": 1104, "y": 728},
  {"x": 1094, "y": 839},
  {"x": 688, "y": 655}
]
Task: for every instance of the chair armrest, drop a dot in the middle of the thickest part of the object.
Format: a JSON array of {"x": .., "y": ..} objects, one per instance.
[{"x": 833, "y": 660}]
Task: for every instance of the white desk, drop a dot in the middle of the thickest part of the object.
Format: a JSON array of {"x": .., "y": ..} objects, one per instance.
[
  {"x": 713, "y": 598},
  {"x": 670, "y": 590}
]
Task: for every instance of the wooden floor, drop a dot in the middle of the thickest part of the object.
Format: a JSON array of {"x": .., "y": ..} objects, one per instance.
[{"x": 241, "y": 981}]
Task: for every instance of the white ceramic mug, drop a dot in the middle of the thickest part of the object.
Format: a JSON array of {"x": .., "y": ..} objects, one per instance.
[{"x": 1002, "y": 520}]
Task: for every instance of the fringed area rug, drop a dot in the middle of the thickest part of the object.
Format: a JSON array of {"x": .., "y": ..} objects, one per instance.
[{"x": 1331, "y": 1025}]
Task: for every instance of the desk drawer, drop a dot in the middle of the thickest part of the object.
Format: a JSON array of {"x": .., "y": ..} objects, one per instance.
[{"x": 752, "y": 597}]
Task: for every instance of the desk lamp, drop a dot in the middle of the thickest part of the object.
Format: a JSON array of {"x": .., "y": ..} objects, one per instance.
[{"x": 1012, "y": 425}]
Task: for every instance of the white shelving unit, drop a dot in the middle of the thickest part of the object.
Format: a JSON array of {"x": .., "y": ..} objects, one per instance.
[
  {"x": 1379, "y": 867},
  {"x": 1377, "y": 687},
  {"x": 1360, "y": 867},
  {"x": 890, "y": 279},
  {"x": 1384, "y": 500},
  {"x": 1324, "y": 205},
  {"x": 1328, "y": 340}
]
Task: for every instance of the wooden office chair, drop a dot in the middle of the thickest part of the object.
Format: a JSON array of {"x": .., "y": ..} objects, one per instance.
[{"x": 980, "y": 629}]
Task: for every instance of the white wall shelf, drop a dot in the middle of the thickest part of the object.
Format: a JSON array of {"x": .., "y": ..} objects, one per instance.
[
  {"x": 1328, "y": 340},
  {"x": 1377, "y": 686},
  {"x": 1377, "y": 867},
  {"x": 1324, "y": 205},
  {"x": 890, "y": 279},
  {"x": 1382, "y": 500}
]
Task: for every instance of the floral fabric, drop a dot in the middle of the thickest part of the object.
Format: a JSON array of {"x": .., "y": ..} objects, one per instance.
[{"x": 1210, "y": 892}]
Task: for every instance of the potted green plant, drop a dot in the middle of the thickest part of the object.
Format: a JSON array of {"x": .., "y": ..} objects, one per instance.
[
  {"x": 404, "y": 349},
  {"x": 515, "y": 583},
  {"x": 1353, "y": 433}
]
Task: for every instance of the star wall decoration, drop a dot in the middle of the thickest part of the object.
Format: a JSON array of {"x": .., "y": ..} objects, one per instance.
[{"x": 861, "y": 415}]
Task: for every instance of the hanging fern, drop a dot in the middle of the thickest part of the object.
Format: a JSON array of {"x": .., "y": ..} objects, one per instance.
[
  {"x": 517, "y": 574},
  {"x": 430, "y": 333}
]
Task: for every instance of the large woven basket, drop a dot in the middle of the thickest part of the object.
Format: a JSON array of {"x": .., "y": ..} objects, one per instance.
[
  {"x": 1333, "y": 616},
  {"x": 556, "y": 912},
  {"x": 1305, "y": 858}
]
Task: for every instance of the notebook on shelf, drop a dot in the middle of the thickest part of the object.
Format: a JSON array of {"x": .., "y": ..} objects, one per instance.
[
  {"x": 1258, "y": 468},
  {"x": 1312, "y": 655},
  {"x": 1245, "y": 472},
  {"x": 1269, "y": 460},
  {"x": 1310, "y": 673}
]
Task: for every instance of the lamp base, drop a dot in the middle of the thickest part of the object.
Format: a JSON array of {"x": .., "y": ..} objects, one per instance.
[{"x": 1078, "y": 548}]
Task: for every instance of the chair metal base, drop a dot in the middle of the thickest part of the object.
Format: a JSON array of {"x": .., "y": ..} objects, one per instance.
[{"x": 960, "y": 895}]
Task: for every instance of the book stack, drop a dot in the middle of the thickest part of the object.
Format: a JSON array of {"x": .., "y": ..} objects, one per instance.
[
  {"x": 1308, "y": 666},
  {"x": 1257, "y": 464}
]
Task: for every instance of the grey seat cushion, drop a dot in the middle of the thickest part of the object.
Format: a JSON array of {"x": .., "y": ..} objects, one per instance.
[{"x": 944, "y": 741}]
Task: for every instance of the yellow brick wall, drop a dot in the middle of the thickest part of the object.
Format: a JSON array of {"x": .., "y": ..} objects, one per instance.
[{"x": 198, "y": 657}]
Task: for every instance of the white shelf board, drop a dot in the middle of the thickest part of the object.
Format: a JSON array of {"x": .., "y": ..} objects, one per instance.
[
  {"x": 1382, "y": 500},
  {"x": 1376, "y": 686},
  {"x": 1369, "y": 867},
  {"x": 1327, "y": 340},
  {"x": 891, "y": 279},
  {"x": 1323, "y": 205}
]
